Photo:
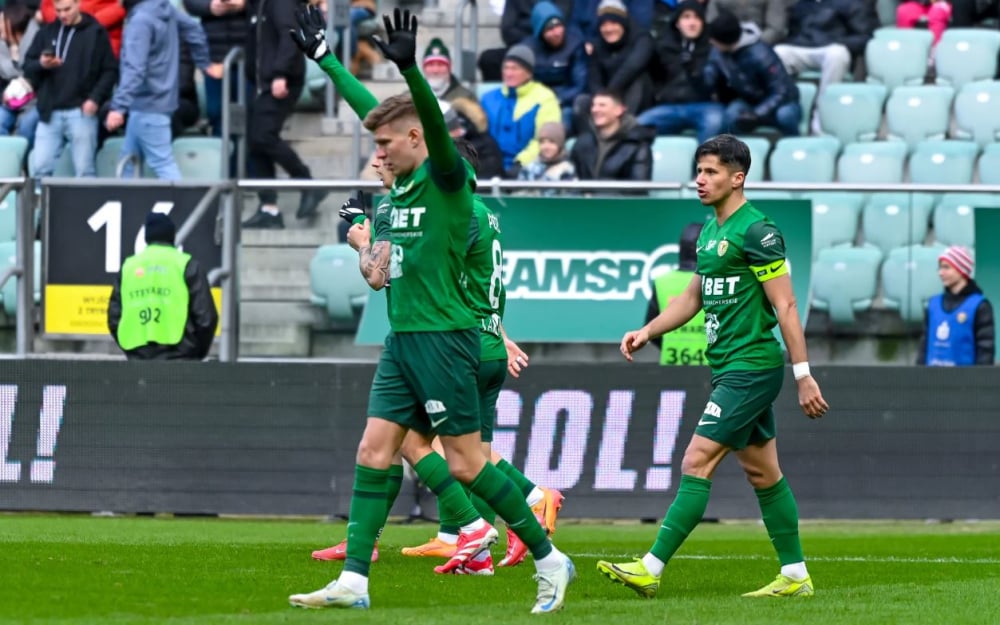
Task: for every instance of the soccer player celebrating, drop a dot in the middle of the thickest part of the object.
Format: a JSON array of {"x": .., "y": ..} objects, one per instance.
[
  {"x": 743, "y": 285},
  {"x": 426, "y": 377}
]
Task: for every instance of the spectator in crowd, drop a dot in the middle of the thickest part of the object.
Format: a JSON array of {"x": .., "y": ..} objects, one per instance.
[
  {"x": 770, "y": 16},
  {"x": 680, "y": 98},
  {"x": 18, "y": 111},
  {"x": 446, "y": 86},
  {"x": 560, "y": 57},
  {"x": 932, "y": 14},
  {"x": 618, "y": 63},
  {"x": 471, "y": 125},
  {"x": 553, "y": 163},
  {"x": 225, "y": 26},
  {"x": 73, "y": 70},
  {"x": 686, "y": 345},
  {"x": 188, "y": 111},
  {"x": 161, "y": 305},
  {"x": 588, "y": 19},
  {"x": 613, "y": 146},
  {"x": 751, "y": 79},
  {"x": 516, "y": 111},
  {"x": 148, "y": 87},
  {"x": 826, "y": 35},
  {"x": 109, "y": 13},
  {"x": 277, "y": 70},
  {"x": 958, "y": 324},
  {"x": 972, "y": 13}
]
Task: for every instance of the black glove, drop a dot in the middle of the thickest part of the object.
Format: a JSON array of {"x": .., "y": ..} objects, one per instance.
[
  {"x": 401, "y": 32},
  {"x": 310, "y": 36},
  {"x": 353, "y": 211},
  {"x": 746, "y": 122}
]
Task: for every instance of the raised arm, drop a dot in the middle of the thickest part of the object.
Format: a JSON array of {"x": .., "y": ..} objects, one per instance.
[{"x": 679, "y": 311}]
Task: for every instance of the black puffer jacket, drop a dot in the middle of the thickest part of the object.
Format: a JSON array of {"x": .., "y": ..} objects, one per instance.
[
  {"x": 618, "y": 66},
  {"x": 223, "y": 32},
  {"x": 983, "y": 324},
  {"x": 270, "y": 52},
  {"x": 818, "y": 23},
  {"x": 677, "y": 64},
  {"x": 626, "y": 155}
]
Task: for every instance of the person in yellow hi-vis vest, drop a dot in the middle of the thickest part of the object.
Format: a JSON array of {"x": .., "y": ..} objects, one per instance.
[
  {"x": 686, "y": 345},
  {"x": 161, "y": 306}
]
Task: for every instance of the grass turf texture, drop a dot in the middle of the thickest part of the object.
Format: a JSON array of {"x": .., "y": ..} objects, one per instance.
[{"x": 74, "y": 569}]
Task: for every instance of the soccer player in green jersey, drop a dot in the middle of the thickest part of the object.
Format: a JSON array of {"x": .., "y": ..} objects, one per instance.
[
  {"x": 426, "y": 377},
  {"x": 742, "y": 284}
]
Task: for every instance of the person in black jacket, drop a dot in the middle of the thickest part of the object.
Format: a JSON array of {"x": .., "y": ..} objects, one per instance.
[
  {"x": 73, "y": 70},
  {"x": 613, "y": 146},
  {"x": 680, "y": 98},
  {"x": 202, "y": 317},
  {"x": 276, "y": 68},
  {"x": 225, "y": 26}
]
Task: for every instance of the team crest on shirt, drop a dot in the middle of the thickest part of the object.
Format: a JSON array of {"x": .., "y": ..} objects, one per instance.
[
  {"x": 943, "y": 331},
  {"x": 723, "y": 247},
  {"x": 962, "y": 317}
]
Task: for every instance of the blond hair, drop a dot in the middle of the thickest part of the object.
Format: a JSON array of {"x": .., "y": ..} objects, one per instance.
[{"x": 391, "y": 109}]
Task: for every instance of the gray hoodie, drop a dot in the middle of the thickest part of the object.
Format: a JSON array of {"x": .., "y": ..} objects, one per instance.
[{"x": 150, "y": 56}]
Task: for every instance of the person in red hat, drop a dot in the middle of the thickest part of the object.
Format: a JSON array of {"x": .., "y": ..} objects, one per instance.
[{"x": 958, "y": 325}]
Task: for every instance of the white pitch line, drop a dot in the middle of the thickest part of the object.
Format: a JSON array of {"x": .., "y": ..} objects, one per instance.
[{"x": 862, "y": 559}]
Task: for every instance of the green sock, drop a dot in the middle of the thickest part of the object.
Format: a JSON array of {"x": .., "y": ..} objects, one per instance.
[
  {"x": 392, "y": 487},
  {"x": 500, "y": 493},
  {"x": 781, "y": 518},
  {"x": 489, "y": 514},
  {"x": 366, "y": 517},
  {"x": 453, "y": 505},
  {"x": 523, "y": 483},
  {"x": 683, "y": 516}
]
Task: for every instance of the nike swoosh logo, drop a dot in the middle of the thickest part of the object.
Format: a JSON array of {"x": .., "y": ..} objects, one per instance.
[
  {"x": 434, "y": 423},
  {"x": 704, "y": 422},
  {"x": 775, "y": 269}
]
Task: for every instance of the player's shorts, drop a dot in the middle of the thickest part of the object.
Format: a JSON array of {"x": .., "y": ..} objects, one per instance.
[
  {"x": 740, "y": 409},
  {"x": 427, "y": 381},
  {"x": 492, "y": 374}
]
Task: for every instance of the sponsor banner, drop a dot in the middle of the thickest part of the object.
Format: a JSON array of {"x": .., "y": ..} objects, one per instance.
[
  {"x": 276, "y": 438},
  {"x": 987, "y": 254},
  {"x": 581, "y": 269}
]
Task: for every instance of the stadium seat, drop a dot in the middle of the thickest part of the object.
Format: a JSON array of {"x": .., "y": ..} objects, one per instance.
[
  {"x": 336, "y": 284},
  {"x": 890, "y": 220},
  {"x": 898, "y": 57},
  {"x": 673, "y": 161},
  {"x": 200, "y": 158},
  {"x": 807, "y": 99},
  {"x": 484, "y": 87},
  {"x": 965, "y": 55},
  {"x": 955, "y": 217},
  {"x": 12, "y": 151},
  {"x": 976, "y": 107},
  {"x": 938, "y": 161},
  {"x": 759, "y": 149},
  {"x": 804, "y": 159},
  {"x": 909, "y": 279},
  {"x": 844, "y": 281},
  {"x": 8, "y": 216},
  {"x": 989, "y": 164},
  {"x": 917, "y": 113},
  {"x": 106, "y": 162},
  {"x": 851, "y": 111},
  {"x": 872, "y": 162},
  {"x": 834, "y": 218},
  {"x": 8, "y": 257}
]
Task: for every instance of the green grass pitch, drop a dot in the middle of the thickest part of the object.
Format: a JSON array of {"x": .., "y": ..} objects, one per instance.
[{"x": 69, "y": 570}]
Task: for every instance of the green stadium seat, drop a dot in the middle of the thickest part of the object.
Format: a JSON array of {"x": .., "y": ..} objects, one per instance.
[
  {"x": 106, "y": 161},
  {"x": 989, "y": 164},
  {"x": 834, "y": 218},
  {"x": 955, "y": 217},
  {"x": 844, "y": 281},
  {"x": 8, "y": 216},
  {"x": 891, "y": 220},
  {"x": 804, "y": 159},
  {"x": 898, "y": 57},
  {"x": 943, "y": 162},
  {"x": 966, "y": 55},
  {"x": 807, "y": 99},
  {"x": 872, "y": 162},
  {"x": 851, "y": 111},
  {"x": 976, "y": 107},
  {"x": 200, "y": 158},
  {"x": 917, "y": 113},
  {"x": 12, "y": 151},
  {"x": 909, "y": 279},
  {"x": 482, "y": 88},
  {"x": 8, "y": 293},
  {"x": 336, "y": 284},
  {"x": 312, "y": 96},
  {"x": 759, "y": 149},
  {"x": 673, "y": 161}
]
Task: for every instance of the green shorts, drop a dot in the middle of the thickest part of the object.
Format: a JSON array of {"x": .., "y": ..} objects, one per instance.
[
  {"x": 740, "y": 409},
  {"x": 492, "y": 374},
  {"x": 427, "y": 381}
]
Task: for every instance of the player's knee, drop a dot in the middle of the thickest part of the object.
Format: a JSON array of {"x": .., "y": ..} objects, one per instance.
[
  {"x": 695, "y": 462},
  {"x": 757, "y": 478},
  {"x": 414, "y": 449},
  {"x": 374, "y": 456}
]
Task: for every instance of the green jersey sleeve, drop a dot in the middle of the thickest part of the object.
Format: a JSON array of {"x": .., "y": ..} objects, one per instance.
[
  {"x": 446, "y": 168},
  {"x": 764, "y": 248},
  {"x": 382, "y": 223},
  {"x": 356, "y": 94}
]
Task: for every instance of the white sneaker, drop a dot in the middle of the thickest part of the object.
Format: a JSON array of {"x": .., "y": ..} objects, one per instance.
[
  {"x": 331, "y": 596},
  {"x": 552, "y": 588}
]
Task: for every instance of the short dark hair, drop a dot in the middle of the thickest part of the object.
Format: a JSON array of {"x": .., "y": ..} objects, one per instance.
[
  {"x": 18, "y": 17},
  {"x": 611, "y": 93},
  {"x": 732, "y": 152}
]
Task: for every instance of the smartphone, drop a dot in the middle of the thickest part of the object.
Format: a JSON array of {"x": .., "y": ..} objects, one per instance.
[{"x": 48, "y": 52}]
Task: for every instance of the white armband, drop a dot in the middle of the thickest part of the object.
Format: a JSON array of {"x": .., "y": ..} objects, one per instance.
[{"x": 800, "y": 370}]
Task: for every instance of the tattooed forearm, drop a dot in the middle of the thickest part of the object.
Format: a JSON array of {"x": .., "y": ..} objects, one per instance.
[{"x": 374, "y": 263}]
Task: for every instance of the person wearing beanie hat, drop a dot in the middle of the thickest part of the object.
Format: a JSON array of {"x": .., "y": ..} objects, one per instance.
[
  {"x": 553, "y": 163},
  {"x": 437, "y": 67},
  {"x": 561, "y": 60},
  {"x": 618, "y": 61},
  {"x": 725, "y": 29},
  {"x": 959, "y": 329},
  {"x": 161, "y": 306},
  {"x": 770, "y": 16},
  {"x": 523, "y": 55}
]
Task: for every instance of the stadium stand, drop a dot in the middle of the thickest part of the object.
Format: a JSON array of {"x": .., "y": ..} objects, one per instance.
[
  {"x": 852, "y": 111},
  {"x": 872, "y": 162},
  {"x": 845, "y": 281},
  {"x": 909, "y": 279},
  {"x": 804, "y": 159},
  {"x": 943, "y": 162},
  {"x": 335, "y": 283},
  {"x": 898, "y": 56},
  {"x": 913, "y": 114},
  {"x": 890, "y": 220}
]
